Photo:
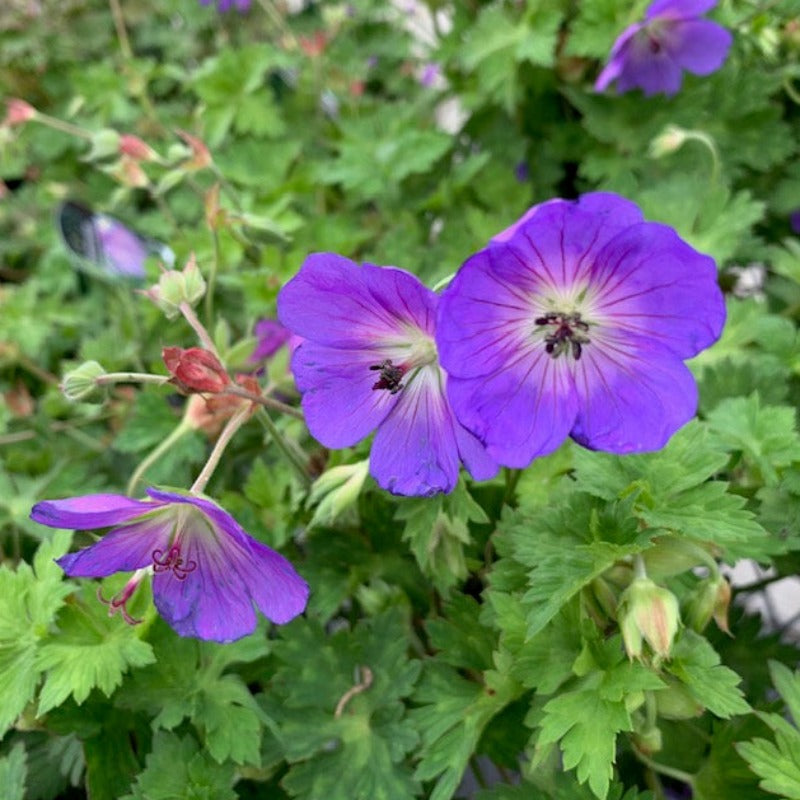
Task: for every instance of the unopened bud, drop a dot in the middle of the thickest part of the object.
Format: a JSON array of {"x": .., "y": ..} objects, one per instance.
[
  {"x": 335, "y": 490},
  {"x": 18, "y": 112},
  {"x": 104, "y": 143},
  {"x": 670, "y": 140},
  {"x": 177, "y": 286},
  {"x": 648, "y": 612},
  {"x": 80, "y": 383},
  {"x": 195, "y": 370},
  {"x": 201, "y": 156},
  {"x": 133, "y": 147},
  {"x": 676, "y": 702},
  {"x": 648, "y": 741}
]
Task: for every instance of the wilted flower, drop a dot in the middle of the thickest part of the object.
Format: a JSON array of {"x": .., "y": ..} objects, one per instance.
[
  {"x": 651, "y": 55},
  {"x": 368, "y": 361},
  {"x": 207, "y": 572},
  {"x": 576, "y": 321}
]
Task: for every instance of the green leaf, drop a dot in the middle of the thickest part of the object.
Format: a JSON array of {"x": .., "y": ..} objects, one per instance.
[
  {"x": 767, "y": 436},
  {"x": 451, "y": 718},
  {"x": 342, "y": 726},
  {"x": 89, "y": 650},
  {"x": 13, "y": 771},
  {"x": 437, "y": 532},
  {"x": 218, "y": 703},
  {"x": 29, "y": 600},
  {"x": 697, "y": 665},
  {"x": 176, "y": 769}
]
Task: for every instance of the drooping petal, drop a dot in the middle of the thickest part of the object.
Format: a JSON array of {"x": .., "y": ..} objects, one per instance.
[
  {"x": 335, "y": 302},
  {"x": 415, "y": 450},
  {"x": 648, "y": 281},
  {"x": 231, "y": 571},
  {"x": 270, "y": 336},
  {"x": 698, "y": 46},
  {"x": 89, "y": 511},
  {"x": 679, "y": 9},
  {"x": 633, "y": 394},
  {"x": 617, "y": 57},
  {"x": 522, "y": 411},
  {"x": 123, "y": 549},
  {"x": 339, "y": 403}
]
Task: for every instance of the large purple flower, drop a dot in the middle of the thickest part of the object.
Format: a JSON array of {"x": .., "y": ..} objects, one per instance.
[
  {"x": 576, "y": 321},
  {"x": 208, "y": 572},
  {"x": 651, "y": 55},
  {"x": 368, "y": 361}
]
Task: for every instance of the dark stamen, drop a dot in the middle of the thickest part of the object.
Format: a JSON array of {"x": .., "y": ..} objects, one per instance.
[
  {"x": 390, "y": 376},
  {"x": 173, "y": 561},
  {"x": 569, "y": 335}
]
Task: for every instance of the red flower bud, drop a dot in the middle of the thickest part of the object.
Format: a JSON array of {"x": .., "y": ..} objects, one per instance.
[
  {"x": 201, "y": 156},
  {"x": 18, "y": 112},
  {"x": 135, "y": 148},
  {"x": 195, "y": 370}
]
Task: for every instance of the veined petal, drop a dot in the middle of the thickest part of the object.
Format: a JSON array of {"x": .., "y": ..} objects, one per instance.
[
  {"x": 89, "y": 511},
  {"x": 232, "y": 571},
  {"x": 617, "y": 57},
  {"x": 653, "y": 73},
  {"x": 473, "y": 454},
  {"x": 521, "y": 412},
  {"x": 555, "y": 242},
  {"x": 698, "y": 45},
  {"x": 123, "y": 549},
  {"x": 634, "y": 394},
  {"x": 335, "y": 302},
  {"x": 649, "y": 282},
  {"x": 483, "y": 318},
  {"x": 339, "y": 403},
  {"x": 415, "y": 450}
]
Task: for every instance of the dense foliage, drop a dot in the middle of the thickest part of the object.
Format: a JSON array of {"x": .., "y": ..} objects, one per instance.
[{"x": 477, "y": 633}]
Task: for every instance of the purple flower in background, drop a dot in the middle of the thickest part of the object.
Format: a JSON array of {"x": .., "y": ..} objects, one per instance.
[
  {"x": 368, "y": 361},
  {"x": 207, "y": 572},
  {"x": 270, "y": 336},
  {"x": 576, "y": 321},
  {"x": 430, "y": 75},
  {"x": 225, "y": 5},
  {"x": 651, "y": 55},
  {"x": 794, "y": 220}
]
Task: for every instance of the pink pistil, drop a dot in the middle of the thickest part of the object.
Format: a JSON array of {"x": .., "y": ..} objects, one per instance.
[{"x": 173, "y": 561}]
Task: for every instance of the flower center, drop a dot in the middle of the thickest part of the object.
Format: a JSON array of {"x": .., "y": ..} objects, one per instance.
[
  {"x": 564, "y": 333},
  {"x": 390, "y": 376},
  {"x": 173, "y": 561}
]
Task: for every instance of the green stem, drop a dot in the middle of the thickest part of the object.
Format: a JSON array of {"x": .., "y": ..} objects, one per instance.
[
  {"x": 64, "y": 127},
  {"x": 443, "y": 282},
  {"x": 130, "y": 377},
  {"x": 212, "y": 279},
  {"x": 182, "y": 428},
  {"x": 663, "y": 769},
  {"x": 292, "y": 452},
  {"x": 639, "y": 569},
  {"x": 228, "y": 432},
  {"x": 198, "y": 327}
]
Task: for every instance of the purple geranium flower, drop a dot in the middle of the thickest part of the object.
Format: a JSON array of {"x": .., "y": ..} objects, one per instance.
[
  {"x": 225, "y": 5},
  {"x": 651, "y": 55},
  {"x": 270, "y": 337},
  {"x": 207, "y": 571},
  {"x": 368, "y": 361},
  {"x": 576, "y": 321}
]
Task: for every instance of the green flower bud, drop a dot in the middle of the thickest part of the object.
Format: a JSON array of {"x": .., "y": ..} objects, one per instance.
[
  {"x": 650, "y": 613},
  {"x": 675, "y": 702},
  {"x": 178, "y": 286},
  {"x": 336, "y": 490},
  {"x": 670, "y": 140},
  {"x": 81, "y": 383}
]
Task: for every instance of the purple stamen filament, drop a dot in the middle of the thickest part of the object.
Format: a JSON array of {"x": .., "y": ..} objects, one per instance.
[
  {"x": 173, "y": 561},
  {"x": 569, "y": 334},
  {"x": 390, "y": 376}
]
